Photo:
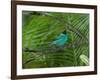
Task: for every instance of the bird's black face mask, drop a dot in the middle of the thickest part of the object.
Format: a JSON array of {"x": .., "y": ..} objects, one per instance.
[{"x": 64, "y": 32}]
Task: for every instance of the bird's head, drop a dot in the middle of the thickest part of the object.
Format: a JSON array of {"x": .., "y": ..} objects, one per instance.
[{"x": 64, "y": 32}]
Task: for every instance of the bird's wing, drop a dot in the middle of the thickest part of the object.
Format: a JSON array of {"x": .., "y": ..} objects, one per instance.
[{"x": 60, "y": 41}]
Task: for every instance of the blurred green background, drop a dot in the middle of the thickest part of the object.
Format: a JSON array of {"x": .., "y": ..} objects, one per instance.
[{"x": 39, "y": 29}]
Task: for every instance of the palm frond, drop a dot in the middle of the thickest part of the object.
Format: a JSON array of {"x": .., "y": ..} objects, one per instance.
[{"x": 43, "y": 27}]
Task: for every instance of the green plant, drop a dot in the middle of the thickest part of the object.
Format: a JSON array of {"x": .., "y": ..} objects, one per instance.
[{"x": 41, "y": 28}]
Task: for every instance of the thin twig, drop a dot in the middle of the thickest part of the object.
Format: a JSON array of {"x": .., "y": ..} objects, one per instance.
[{"x": 56, "y": 49}]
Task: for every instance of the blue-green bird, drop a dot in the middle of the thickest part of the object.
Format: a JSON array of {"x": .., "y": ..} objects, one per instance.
[{"x": 61, "y": 39}]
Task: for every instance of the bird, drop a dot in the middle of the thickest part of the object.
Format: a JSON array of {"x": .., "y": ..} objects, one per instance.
[{"x": 61, "y": 39}]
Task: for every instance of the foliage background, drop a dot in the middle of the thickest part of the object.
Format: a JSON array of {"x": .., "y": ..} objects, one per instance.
[{"x": 39, "y": 29}]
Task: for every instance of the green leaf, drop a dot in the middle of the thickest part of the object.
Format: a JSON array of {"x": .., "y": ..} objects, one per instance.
[
  {"x": 84, "y": 59},
  {"x": 39, "y": 30}
]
